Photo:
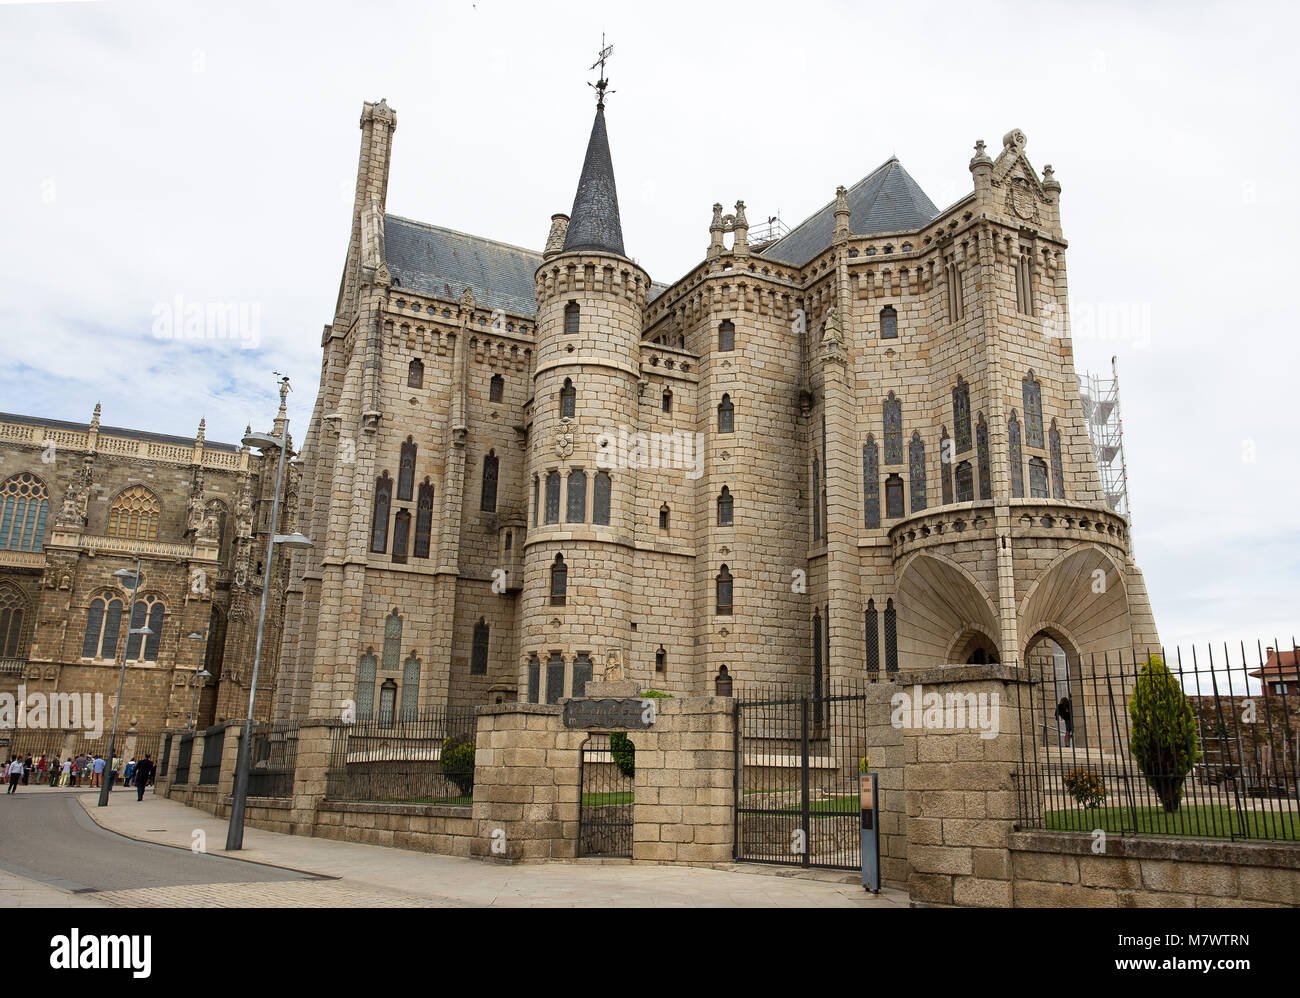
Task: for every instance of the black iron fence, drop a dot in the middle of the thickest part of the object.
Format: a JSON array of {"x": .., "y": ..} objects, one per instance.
[
  {"x": 184, "y": 750},
  {"x": 273, "y": 756},
  {"x": 1140, "y": 743},
  {"x": 605, "y": 806},
  {"x": 426, "y": 759},
  {"x": 798, "y": 754},
  {"x": 214, "y": 742},
  {"x": 57, "y": 745}
]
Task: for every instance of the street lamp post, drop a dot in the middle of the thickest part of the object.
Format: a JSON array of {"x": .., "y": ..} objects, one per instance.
[
  {"x": 296, "y": 542},
  {"x": 144, "y": 633},
  {"x": 201, "y": 675}
]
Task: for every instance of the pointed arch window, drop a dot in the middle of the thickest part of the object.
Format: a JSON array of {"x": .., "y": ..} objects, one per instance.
[
  {"x": 392, "y": 639},
  {"x": 816, "y": 500},
  {"x": 488, "y": 497},
  {"x": 600, "y": 495},
  {"x": 726, "y": 415},
  {"x": 891, "y": 637},
  {"x": 366, "y": 676},
  {"x": 24, "y": 506},
  {"x": 13, "y": 622},
  {"x": 149, "y": 611},
  {"x": 873, "y": 636},
  {"x": 1033, "y": 395},
  {"x": 1025, "y": 282},
  {"x": 379, "y": 517},
  {"x": 871, "y": 482},
  {"x": 726, "y": 508},
  {"x": 134, "y": 514},
  {"x": 496, "y": 388},
  {"x": 1037, "y": 478},
  {"x": 893, "y": 497},
  {"x": 893, "y": 419},
  {"x": 817, "y": 652},
  {"x": 888, "y": 323},
  {"x": 410, "y": 688},
  {"x": 478, "y": 659},
  {"x": 415, "y": 374},
  {"x": 916, "y": 470},
  {"x": 982, "y": 458},
  {"x": 661, "y": 660},
  {"x": 1058, "y": 469},
  {"x": 534, "y": 678},
  {"x": 582, "y": 671},
  {"x": 424, "y": 520},
  {"x": 668, "y": 401},
  {"x": 663, "y": 517},
  {"x": 572, "y": 313},
  {"x": 387, "y": 702},
  {"x": 553, "y": 497},
  {"x": 726, "y": 336},
  {"x": 965, "y": 482},
  {"x": 723, "y": 591},
  {"x": 961, "y": 415},
  {"x": 559, "y": 581},
  {"x": 406, "y": 471},
  {"x": 946, "y": 453},
  {"x": 554, "y": 677},
  {"x": 568, "y": 398},
  {"x": 1017, "y": 461},
  {"x": 576, "y": 497},
  {"x": 103, "y": 624},
  {"x": 537, "y": 493},
  {"x": 401, "y": 534}
]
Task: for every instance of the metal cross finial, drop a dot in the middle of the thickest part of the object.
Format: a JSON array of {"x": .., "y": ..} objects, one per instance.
[{"x": 605, "y": 52}]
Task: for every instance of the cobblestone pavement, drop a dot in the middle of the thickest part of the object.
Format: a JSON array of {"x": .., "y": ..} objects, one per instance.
[{"x": 364, "y": 875}]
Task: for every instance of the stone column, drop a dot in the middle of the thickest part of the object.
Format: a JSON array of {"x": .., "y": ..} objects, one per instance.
[
  {"x": 960, "y": 784},
  {"x": 311, "y": 773},
  {"x": 229, "y": 757}
]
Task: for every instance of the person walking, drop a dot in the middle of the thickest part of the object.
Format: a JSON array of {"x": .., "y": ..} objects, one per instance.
[
  {"x": 65, "y": 773},
  {"x": 143, "y": 776},
  {"x": 97, "y": 768},
  {"x": 130, "y": 772},
  {"x": 41, "y": 768},
  {"x": 15, "y": 774}
]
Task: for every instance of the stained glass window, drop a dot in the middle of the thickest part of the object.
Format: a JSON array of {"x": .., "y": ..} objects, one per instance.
[
  {"x": 401, "y": 534},
  {"x": 496, "y": 388},
  {"x": 893, "y": 497},
  {"x": 534, "y": 678},
  {"x": 916, "y": 471},
  {"x": 1017, "y": 462},
  {"x": 537, "y": 485},
  {"x": 961, "y": 415},
  {"x": 581, "y": 673},
  {"x": 726, "y": 336},
  {"x": 410, "y": 688},
  {"x": 871, "y": 482},
  {"x": 1033, "y": 393},
  {"x": 24, "y": 504},
  {"x": 366, "y": 686},
  {"x": 723, "y": 583},
  {"x": 571, "y": 314},
  {"x": 392, "y": 639},
  {"x": 888, "y": 323},
  {"x": 726, "y": 415},
  {"x": 873, "y": 637},
  {"x": 478, "y": 659},
  {"x": 559, "y": 581},
  {"x": 387, "y": 701},
  {"x": 600, "y": 495},
  {"x": 13, "y": 620},
  {"x": 554, "y": 678},
  {"x": 133, "y": 515},
  {"x": 1058, "y": 469},
  {"x": 379, "y": 522},
  {"x": 893, "y": 430},
  {"x": 1037, "y": 478},
  {"x": 406, "y": 471},
  {"x": 576, "y": 497},
  {"x": 725, "y": 507},
  {"x": 817, "y": 651},
  {"x": 488, "y": 503},
  {"x": 982, "y": 457},
  {"x": 568, "y": 398},
  {"x": 553, "y": 497},
  {"x": 424, "y": 520},
  {"x": 103, "y": 625},
  {"x": 891, "y": 637},
  {"x": 945, "y": 464},
  {"x": 415, "y": 374},
  {"x": 965, "y": 482},
  {"x": 816, "y": 500}
]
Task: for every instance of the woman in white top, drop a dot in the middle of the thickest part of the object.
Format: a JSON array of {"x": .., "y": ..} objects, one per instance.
[{"x": 66, "y": 773}]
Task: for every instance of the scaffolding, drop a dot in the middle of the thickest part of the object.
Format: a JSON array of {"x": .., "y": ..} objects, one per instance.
[
  {"x": 1106, "y": 433},
  {"x": 764, "y": 234}
]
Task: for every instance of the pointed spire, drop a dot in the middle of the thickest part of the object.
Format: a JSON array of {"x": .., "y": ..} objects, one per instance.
[
  {"x": 94, "y": 420},
  {"x": 594, "y": 223},
  {"x": 203, "y": 429}
]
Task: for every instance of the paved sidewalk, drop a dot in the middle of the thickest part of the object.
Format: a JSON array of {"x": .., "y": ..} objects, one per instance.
[
  {"x": 365, "y": 875},
  {"x": 20, "y": 892}
]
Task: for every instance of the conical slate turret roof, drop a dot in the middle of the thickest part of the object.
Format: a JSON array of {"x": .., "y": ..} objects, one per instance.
[{"x": 594, "y": 222}]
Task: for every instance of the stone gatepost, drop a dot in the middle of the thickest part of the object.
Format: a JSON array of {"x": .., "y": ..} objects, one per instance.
[
  {"x": 196, "y": 764},
  {"x": 960, "y": 785},
  {"x": 311, "y": 773},
  {"x": 527, "y": 781},
  {"x": 685, "y": 782},
  {"x": 127, "y": 752}
]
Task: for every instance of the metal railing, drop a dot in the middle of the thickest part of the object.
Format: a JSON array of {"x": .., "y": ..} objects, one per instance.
[
  {"x": 403, "y": 760},
  {"x": 210, "y": 767},
  {"x": 1199, "y": 750},
  {"x": 183, "y": 752},
  {"x": 272, "y": 759}
]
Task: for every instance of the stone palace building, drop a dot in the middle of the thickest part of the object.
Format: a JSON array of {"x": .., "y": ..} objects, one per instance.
[{"x": 855, "y": 448}]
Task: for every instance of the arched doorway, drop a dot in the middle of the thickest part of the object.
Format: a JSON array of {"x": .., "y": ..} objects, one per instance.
[{"x": 1063, "y": 702}]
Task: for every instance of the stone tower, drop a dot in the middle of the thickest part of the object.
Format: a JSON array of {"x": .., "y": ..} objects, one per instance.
[{"x": 575, "y": 624}]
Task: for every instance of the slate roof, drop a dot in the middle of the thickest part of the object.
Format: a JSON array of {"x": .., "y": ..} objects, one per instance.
[
  {"x": 435, "y": 261},
  {"x": 885, "y": 200},
  {"x": 115, "y": 431},
  {"x": 594, "y": 223}
]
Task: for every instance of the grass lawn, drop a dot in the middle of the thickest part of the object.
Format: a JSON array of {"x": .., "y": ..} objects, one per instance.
[
  {"x": 442, "y": 801},
  {"x": 606, "y": 798},
  {"x": 1202, "y": 821}
]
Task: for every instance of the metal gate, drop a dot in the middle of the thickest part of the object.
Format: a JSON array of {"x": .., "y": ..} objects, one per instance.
[
  {"x": 797, "y": 761},
  {"x": 605, "y": 808}
]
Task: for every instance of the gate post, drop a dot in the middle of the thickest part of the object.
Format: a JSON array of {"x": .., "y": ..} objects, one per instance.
[{"x": 311, "y": 773}]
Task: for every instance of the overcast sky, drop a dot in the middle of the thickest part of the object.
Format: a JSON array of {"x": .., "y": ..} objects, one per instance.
[{"x": 209, "y": 152}]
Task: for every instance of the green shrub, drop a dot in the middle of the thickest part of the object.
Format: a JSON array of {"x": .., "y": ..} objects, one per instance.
[
  {"x": 655, "y": 694},
  {"x": 864, "y": 764},
  {"x": 1163, "y": 738},
  {"x": 623, "y": 752},
  {"x": 1085, "y": 787},
  {"x": 458, "y": 763}
]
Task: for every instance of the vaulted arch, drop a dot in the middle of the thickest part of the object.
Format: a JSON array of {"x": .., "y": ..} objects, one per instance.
[
  {"x": 1081, "y": 600},
  {"x": 939, "y": 605}
]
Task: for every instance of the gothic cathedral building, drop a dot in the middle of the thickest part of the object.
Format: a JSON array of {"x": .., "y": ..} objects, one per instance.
[{"x": 850, "y": 450}]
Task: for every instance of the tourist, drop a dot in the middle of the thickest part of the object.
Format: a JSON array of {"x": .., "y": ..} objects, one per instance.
[
  {"x": 41, "y": 768},
  {"x": 130, "y": 771},
  {"x": 97, "y": 767},
  {"x": 28, "y": 766},
  {"x": 143, "y": 776},
  {"x": 65, "y": 773},
  {"x": 15, "y": 774},
  {"x": 1065, "y": 713}
]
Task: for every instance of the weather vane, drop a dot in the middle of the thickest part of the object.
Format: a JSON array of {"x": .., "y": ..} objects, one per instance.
[{"x": 605, "y": 52}]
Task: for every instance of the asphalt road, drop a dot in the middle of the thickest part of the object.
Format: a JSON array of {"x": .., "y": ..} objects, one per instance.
[{"x": 46, "y": 836}]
